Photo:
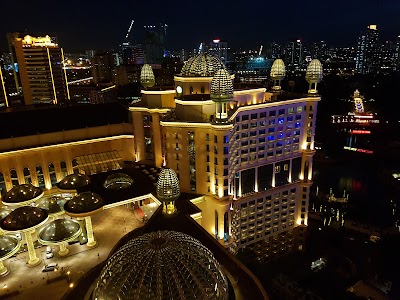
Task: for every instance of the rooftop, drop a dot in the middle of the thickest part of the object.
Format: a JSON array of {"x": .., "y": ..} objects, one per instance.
[{"x": 54, "y": 118}]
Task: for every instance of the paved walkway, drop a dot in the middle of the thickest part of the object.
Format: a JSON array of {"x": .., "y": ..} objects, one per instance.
[{"x": 109, "y": 226}]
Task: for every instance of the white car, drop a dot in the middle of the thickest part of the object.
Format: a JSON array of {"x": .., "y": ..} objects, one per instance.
[{"x": 49, "y": 252}]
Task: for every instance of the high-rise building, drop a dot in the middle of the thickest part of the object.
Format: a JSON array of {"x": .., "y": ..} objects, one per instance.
[
  {"x": 294, "y": 56},
  {"x": 248, "y": 152},
  {"x": 368, "y": 57},
  {"x": 397, "y": 54},
  {"x": 40, "y": 64},
  {"x": 319, "y": 51},
  {"x": 3, "y": 91},
  {"x": 154, "y": 43},
  {"x": 276, "y": 51},
  {"x": 103, "y": 67},
  {"x": 219, "y": 49}
]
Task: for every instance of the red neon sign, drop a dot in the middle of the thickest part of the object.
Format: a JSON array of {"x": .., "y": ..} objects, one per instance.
[
  {"x": 361, "y": 131},
  {"x": 365, "y": 151}
]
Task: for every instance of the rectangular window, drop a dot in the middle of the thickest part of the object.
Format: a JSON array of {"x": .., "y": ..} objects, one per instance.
[
  {"x": 226, "y": 139},
  {"x": 281, "y": 111},
  {"x": 207, "y": 137},
  {"x": 215, "y": 139},
  {"x": 272, "y": 113},
  {"x": 245, "y": 117},
  {"x": 245, "y": 126},
  {"x": 290, "y": 110},
  {"x": 263, "y": 114},
  {"x": 299, "y": 108},
  {"x": 226, "y": 150},
  {"x": 253, "y": 116}
]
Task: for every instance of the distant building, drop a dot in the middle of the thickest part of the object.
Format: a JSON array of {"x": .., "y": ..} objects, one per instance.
[
  {"x": 219, "y": 49},
  {"x": 294, "y": 57},
  {"x": 368, "y": 57},
  {"x": 319, "y": 51},
  {"x": 103, "y": 67},
  {"x": 154, "y": 43},
  {"x": 276, "y": 51}
]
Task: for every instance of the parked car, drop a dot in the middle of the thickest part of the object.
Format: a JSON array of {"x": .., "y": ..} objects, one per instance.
[
  {"x": 50, "y": 267},
  {"x": 49, "y": 252}
]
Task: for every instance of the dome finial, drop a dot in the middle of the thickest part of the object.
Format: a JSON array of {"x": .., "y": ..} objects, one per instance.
[
  {"x": 147, "y": 78},
  {"x": 314, "y": 75},
  {"x": 278, "y": 72},
  {"x": 168, "y": 190},
  {"x": 221, "y": 93}
]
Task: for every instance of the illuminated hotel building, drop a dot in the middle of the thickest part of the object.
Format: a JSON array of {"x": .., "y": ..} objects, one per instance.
[
  {"x": 245, "y": 154},
  {"x": 253, "y": 165},
  {"x": 40, "y": 62}
]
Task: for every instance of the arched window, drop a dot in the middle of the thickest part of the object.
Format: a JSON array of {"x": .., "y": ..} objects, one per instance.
[
  {"x": 63, "y": 167},
  {"x": 14, "y": 177},
  {"x": 27, "y": 175},
  {"x": 226, "y": 227},
  {"x": 216, "y": 225},
  {"x": 202, "y": 90},
  {"x": 75, "y": 166},
  {"x": 2, "y": 184},
  {"x": 40, "y": 177},
  {"x": 191, "y": 90},
  {"x": 52, "y": 174}
]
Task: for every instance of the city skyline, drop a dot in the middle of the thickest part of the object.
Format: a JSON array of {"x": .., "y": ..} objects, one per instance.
[{"x": 104, "y": 27}]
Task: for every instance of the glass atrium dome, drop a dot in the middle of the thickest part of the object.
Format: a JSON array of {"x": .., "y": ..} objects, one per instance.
[
  {"x": 8, "y": 247},
  {"x": 147, "y": 78},
  {"x": 118, "y": 181},
  {"x": 73, "y": 182},
  {"x": 22, "y": 218},
  {"x": 22, "y": 194},
  {"x": 53, "y": 205},
  {"x": 58, "y": 231},
  {"x": 202, "y": 65},
  {"x": 83, "y": 204},
  {"x": 162, "y": 265},
  {"x": 314, "y": 75}
]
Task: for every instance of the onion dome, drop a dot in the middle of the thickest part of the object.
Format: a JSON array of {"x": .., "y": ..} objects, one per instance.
[
  {"x": 278, "y": 70},
  {"x": 22, "y": 194},
  {"x": 168, "y": 185},
  {"x": 118, "y": 181},
  {"x": 9, "y": 245},
  {"x": 162, "y": 265},
  {"x": 221, "y": 86},
  {"x": 314, "y": 71},
  {"x": 59, "y": 231},
  {"x": 83, "y": 204},
  {"x": 147, "y": 78},
  {"x": 53, "y": 205},
  {"x": 73, "y": 182},
  {"x": 202, "y": 65},
  {"x": 22, "y": 218}
]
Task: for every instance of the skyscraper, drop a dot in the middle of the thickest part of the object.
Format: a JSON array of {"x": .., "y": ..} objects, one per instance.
[
  {"x": 103, "y": 67},
  {"x": 40, "y": 63},
  {"x": 219, "y": 49},
  {"x": 154, "y": 43},
  {"x": 294, "y": 57},
  {"x": 368, "y": 58}
]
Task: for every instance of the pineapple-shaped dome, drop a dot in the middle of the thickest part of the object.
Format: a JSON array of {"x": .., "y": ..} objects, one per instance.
[
  {"x": 221, "y": 86},
  {"x": 168, "y": 185},
  {"x": 314, "y": 71},
  {"x": 147, "y": 78},
  {"x": 278, "y": 70},
  {"x": 202, "y": 65}
]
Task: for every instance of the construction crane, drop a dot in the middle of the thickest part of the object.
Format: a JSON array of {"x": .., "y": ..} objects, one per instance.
[
  {"x": 259, "y": 52},
  {"x": 129, "y": 30}
]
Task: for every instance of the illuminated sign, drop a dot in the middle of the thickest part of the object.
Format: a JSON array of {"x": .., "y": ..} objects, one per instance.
[
  {"x": 38, "y": 41},
  {"x": 361, "y": 132},
  {"x": 358, "y": 150},
  {"x": 216, "y": 41}
]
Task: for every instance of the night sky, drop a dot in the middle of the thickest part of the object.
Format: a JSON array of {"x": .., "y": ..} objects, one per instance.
[{"x": 103, "y": 24}]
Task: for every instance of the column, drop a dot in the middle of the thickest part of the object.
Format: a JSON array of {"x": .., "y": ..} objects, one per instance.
[
  {"x": 290, "y": 171},
  {"x": 240, "y": 184},
  {"x": 3, "y": 269},
  {"x": 89, "y": 230},
  {"x": 273, "y": 175},
  {"x": 256, "y": 181},
  {"x": 33, "y": 259},
  {"x": 63, "y": 250}
]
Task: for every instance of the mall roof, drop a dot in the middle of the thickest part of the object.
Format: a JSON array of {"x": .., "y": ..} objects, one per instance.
[
  {"x": 22, "y": 194},
  {"x": 19, "y": 121}
]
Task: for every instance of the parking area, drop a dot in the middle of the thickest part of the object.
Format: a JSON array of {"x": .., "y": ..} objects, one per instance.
[{"x": 31, "y": 283}]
